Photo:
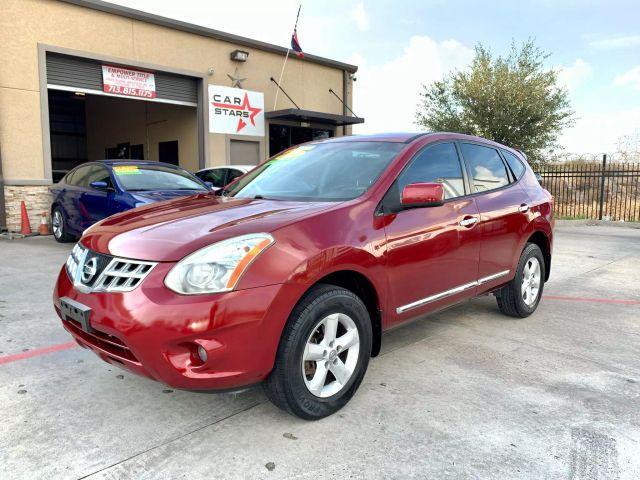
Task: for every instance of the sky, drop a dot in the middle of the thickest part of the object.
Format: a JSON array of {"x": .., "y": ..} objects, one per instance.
[{"x": 400, "y": 45}]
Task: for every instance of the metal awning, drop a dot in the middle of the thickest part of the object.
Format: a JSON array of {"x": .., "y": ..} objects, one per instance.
[{"x": 297, "y": 115}]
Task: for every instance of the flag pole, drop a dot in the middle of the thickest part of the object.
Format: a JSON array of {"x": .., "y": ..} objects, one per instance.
[
  {"x": 280, "y": 78},
  {"x": 275, "y": 102}
]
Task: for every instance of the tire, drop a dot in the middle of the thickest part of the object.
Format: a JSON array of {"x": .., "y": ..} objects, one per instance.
[
  {"x": 290, "y": 384},
  {"x": 59, "y": 224},
  {"x": 514, "y": 299}
]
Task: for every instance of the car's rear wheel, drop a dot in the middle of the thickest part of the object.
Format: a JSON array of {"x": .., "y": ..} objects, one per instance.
[
  {"x": 323, "y": 353},
  {"x": 520, "y": 297},
  {"x": 59, "y": 226}
]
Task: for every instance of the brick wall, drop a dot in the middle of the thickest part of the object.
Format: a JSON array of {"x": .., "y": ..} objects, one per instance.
[{"x": 37, "y": 198}]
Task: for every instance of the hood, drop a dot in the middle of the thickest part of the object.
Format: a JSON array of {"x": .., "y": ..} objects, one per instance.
[
  {"x": 160, "y": 195},
  {"x": 167, "y": 231}
]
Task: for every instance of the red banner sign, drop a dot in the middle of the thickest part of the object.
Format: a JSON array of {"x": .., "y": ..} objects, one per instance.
[{"x": 124, "y": 81}]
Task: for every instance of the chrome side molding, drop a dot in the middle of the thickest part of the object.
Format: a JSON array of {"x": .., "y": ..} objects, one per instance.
[{"x": 453, "y": 291}]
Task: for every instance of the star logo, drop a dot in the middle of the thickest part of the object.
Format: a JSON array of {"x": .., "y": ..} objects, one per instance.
[
  {"x": 236, "y": 80},
  {"x": 245, "y": 106}
]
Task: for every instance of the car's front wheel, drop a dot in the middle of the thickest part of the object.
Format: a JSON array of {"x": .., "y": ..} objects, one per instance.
[
  {"x": 59, "y": 226},
  {"x": 520, "y": 297},
  {"x": 323, "y": 353}
]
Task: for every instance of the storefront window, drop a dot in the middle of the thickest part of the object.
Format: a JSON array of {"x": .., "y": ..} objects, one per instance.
[{"x": 282, "y": 137}]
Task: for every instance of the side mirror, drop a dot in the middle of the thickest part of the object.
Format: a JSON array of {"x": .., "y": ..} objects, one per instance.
[
  {"x": 538, "y": 177},
  {"x": 416, "y": 195},
  {"x": 99, "y": 185}
]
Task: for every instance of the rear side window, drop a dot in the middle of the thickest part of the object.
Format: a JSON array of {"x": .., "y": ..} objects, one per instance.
[
  {"x": 436, "y": 164},
  {"x": 78, "y": 176},
  {"x": 515, "y": 164},
  {"x": 487, "y": 169},
  {"x": 70, "y": 178},
  {"x": 233, "y": 174},
  {"x": 216, "y": 177}
]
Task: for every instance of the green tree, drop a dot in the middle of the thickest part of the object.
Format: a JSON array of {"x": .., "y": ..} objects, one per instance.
[{"x": 513, "y": 100}]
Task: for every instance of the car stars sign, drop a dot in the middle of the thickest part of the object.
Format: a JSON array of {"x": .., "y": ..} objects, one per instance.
[{"x": 236, "y": 111}]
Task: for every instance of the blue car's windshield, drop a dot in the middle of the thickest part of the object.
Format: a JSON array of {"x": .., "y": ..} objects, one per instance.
[
  {"x": 332, "y": 171},
  {"x": 155, "y": 177}
]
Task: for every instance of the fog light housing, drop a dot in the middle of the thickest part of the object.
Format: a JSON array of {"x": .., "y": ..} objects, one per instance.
[{"x": 202, "y": 354}]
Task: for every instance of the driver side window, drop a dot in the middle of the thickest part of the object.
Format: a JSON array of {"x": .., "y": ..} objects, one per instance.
[{"x": 436, "y": 164}]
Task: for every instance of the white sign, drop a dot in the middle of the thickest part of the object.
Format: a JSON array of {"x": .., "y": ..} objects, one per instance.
[
  {"x": 123, "y": 81},
  {"x": 236, "y": 111}
]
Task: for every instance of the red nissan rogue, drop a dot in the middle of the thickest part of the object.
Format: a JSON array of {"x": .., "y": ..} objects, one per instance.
[{"x": 291, "y": 275}]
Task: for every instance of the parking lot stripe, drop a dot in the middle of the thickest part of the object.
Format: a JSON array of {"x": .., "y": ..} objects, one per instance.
[
  {"x": 597, "y": 300},
  {"x": 37, "y": 352}
]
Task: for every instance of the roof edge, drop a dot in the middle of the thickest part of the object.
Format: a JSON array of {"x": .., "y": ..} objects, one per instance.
[{"x": 200, "y": 30}]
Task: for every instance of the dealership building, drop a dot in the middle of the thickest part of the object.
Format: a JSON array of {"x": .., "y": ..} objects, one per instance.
[{"x": 85, "y": 80}]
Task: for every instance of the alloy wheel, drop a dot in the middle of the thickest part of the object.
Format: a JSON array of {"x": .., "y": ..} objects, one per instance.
[
  {"x": 330, "y": 355},
  {"x": 57, "y": 223},
  {"x": 531, "y": 276}
]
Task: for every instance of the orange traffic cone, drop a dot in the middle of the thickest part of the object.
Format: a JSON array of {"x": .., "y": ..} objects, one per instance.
[
  {"x": 44, "y": 225},
  {"x": 25, "y": 229}
]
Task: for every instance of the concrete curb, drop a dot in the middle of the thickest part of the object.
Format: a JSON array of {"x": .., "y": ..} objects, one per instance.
[{"x": 599, "y": 223}]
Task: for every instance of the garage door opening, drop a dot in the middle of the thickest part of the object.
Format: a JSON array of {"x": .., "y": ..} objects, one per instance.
[
  {"x": 85, "y": 127},
  {"x": 86, "y": 123}
]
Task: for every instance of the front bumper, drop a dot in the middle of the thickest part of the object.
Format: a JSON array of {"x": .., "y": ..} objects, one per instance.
[{"x": 155, "y": 332}]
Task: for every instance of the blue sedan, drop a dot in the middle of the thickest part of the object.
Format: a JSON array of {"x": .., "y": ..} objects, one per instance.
[{"x": 96, "y": 190}]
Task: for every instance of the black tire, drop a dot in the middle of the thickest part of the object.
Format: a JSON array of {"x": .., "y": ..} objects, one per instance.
[
  {"x": 63, "y": 236},
  {"x": 510, "y": 298},
  {"x": 286, "y": 386}
]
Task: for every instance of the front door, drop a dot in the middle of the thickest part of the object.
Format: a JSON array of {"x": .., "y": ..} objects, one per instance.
[
  {"x": 502, "y": 220},
  {"x": 95, "y": 204},
  {"x": 432, "y": 252}
]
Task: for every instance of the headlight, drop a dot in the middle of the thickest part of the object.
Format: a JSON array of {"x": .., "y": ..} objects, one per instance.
[{"x": 218, "y": 267}]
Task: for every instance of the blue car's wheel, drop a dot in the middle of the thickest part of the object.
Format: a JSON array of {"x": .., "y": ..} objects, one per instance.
[{"x": 59, "y": 225}]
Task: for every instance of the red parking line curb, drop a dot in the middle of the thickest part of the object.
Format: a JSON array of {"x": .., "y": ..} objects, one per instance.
[
  {"x": 597, "y": 300},
  {"x": 37, "y": 352}
]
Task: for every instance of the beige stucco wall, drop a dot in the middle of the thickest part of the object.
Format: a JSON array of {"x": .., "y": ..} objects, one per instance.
[
  {"x": 111, "y": 121},
  {"x": 26, "y": 23}
]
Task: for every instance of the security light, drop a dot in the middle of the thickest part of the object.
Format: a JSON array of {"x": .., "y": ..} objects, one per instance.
[{"x": 239, "y": 56}]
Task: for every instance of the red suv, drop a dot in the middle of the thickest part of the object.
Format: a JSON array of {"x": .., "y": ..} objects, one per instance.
[{"x": 293, "y": 273}]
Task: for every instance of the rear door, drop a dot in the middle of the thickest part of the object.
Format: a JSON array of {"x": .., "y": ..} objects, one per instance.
[
  {"x": 503, "y": 218},
  {"x": 432, "y": 252}
]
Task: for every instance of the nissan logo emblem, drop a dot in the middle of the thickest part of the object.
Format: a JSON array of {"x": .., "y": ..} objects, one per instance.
[{"x": 89, "y": 270}]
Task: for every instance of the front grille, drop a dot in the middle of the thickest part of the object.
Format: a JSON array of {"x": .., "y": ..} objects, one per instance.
[
  {"x": 96, "y": 272},
  {"x": 122, "y": 275}
]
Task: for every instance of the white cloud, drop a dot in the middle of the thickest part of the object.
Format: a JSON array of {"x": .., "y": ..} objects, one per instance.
[
  {"x": 574, "y": 75},
  {"x": 270, "y": 22},
  {"x": 632, "y": 77},
  {"x": 617, "y": 41},
  {"x": 599, "y": 132},
  {"x": 360, "y": 16},
  {"x": 386, "y": 95}
]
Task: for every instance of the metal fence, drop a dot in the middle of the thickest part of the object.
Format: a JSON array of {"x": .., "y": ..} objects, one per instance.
[{"x": 602, "y": 191}]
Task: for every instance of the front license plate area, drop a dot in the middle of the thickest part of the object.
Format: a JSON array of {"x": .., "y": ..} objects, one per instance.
[{"x": 73, "y": 310}]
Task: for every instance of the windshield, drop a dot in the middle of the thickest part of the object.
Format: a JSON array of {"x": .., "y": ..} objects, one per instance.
[
  {"x": 331, "y": 171},
  {"x": 155, "y": 177}
]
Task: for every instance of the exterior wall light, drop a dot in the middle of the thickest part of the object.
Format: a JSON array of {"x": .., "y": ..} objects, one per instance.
[{"x": 239, "y": 56}]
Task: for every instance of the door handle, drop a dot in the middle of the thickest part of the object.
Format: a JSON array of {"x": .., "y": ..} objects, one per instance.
[
  {"x": 524, "y": 208},
  {"x": 468, "y": 221}
]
